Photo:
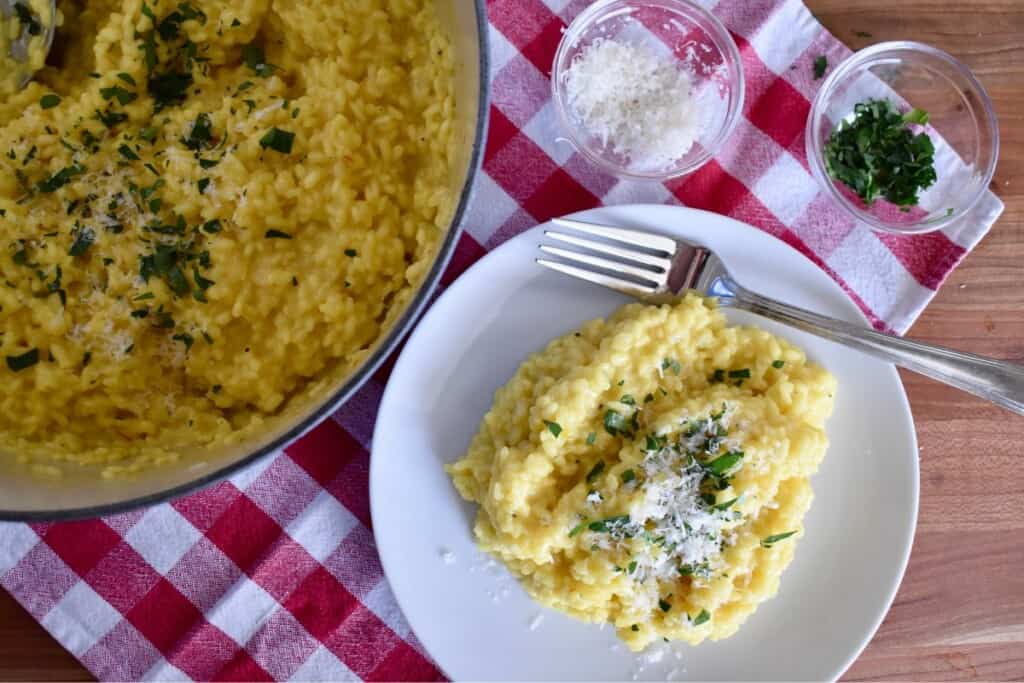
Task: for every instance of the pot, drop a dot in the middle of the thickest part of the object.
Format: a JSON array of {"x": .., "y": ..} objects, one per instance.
[{"x": 81, "y": 492}]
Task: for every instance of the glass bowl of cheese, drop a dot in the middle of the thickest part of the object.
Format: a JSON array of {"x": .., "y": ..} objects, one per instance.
[{"x": 647, "y": 89}]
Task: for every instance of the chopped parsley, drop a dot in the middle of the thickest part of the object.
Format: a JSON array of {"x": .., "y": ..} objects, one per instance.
[
  {"x": 60, "y": 178},
  {"x": 278, "y": 140},
  {"x": 276, "y": 234},
  {"x": 664, "y": 604},
  {"x": 553, "y": 427},
  {"x": 671, "y": 364},
  {"x": 740, "y": 374},
  {"x": 23, "y": 361},
  {"x": 591, "y": 438},
  {"x": 49, "y": 101},
  {"x": 628, "y": 476},
  {"x": 254, "y": 58},
  {"x": 122, "y": 96},
  {"x": 701, "y": 618},
  {"x": 200, "y": 135},
  {"x": 775, "y": 538},
  {"x": 605, "y": 525},
  {"x": 595, "y": 471},
  {"x": 724, "y": 463},
  {"x": 877, "y": 155},
  {"x": 212, "y": 227},
  {"x": 83, "y": 240},
  {"x": 128, "y": 153},
  {"x": 576, "y": 530},
  {"x": 351, "y": 253},
  {"x": 777, "y": 364}
]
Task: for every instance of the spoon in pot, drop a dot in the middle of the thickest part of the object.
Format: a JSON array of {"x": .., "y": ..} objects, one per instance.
[{"x": 26, "y": 34}]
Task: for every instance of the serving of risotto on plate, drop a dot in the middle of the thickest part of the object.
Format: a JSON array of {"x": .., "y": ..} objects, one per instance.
[
  {"x": 651, "y": 470},
  {"x": 205, "y": 206}
]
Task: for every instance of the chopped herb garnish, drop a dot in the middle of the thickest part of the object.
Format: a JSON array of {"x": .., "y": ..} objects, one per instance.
[
  {"x": 632, "y": 567},
  {"x": 553, "y": 427},
  {"x": 777, "y": 364},
  {"x": 628, "y": 476},
  {"x": 169, "y": 88},
  {"x": 701, "y": 618},
  {"x": 820, "y": 66},
  {"x": 200, "y": 134},
  {"x": 665, "y": 605},
  {"x": 634, "y": 628},
  {"x": 208, "y": 163},
  {"x": 591, "y": 438},
  {"x": 724, "y": 463},
  {"x": 775, "y": 538},
  {"x": 59, "y": 179},
  {"x": 276, "y": 234},
  {"x": 602, "y": 525},
  {"x": 595, "y": 471},
  {"x": 615, "y": 423},
  {"x": 648, "y": 398},
  {"x": 111, "y": 118},
  {"x": 671, "y": 364},
  {"x": 877, "y": 155},
  {"x": 578, "y": 528},
  {"x": 185, "y": 339},
  {"x": 127, "y": 78},
  {"x": 351, "y": 253},
  {"x": 278, "y": 140},
  {"x": 86, "y": 359},
  {"x": 128, "y": 153},
  {"x": 144, "y": 296},
  {"x": 122, "y": 96},
  {"x": 49, "y": 101},
  {"x": 212, "y": 227},
  {"x": 254, "y": 58},
  {"x": 83, "y": 240},
  {"x": 23, "y": 361},
  {"x": 739, "y": 374},
  {"x": 718, "y": 376},
  {"x": 202, "y": 184},
  {"x": 726, "y": 505}
]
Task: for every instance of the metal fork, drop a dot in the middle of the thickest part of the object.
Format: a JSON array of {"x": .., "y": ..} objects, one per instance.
[{"x": 657, "y": 268}]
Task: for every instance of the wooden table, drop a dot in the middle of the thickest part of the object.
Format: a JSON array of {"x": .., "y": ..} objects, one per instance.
[{"x": 960, "y": 612}]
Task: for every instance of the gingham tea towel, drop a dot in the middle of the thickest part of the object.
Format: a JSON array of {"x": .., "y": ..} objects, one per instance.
[{"x": 274, "y": 574}]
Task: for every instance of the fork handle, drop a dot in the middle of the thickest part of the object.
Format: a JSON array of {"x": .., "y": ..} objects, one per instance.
[{"x": 1000, "y": 382}]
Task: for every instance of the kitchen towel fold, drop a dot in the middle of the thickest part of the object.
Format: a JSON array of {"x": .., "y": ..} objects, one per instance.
[{"x": 274, "y": 573}]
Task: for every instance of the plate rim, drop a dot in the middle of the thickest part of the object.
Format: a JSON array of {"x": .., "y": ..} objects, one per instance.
[{"x": 482, "y": 263}]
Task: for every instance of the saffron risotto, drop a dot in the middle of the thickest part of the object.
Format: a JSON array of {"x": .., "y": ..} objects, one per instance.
[
  {"x": 206, "y": 208},
  {"x": 651, "y": 470}
]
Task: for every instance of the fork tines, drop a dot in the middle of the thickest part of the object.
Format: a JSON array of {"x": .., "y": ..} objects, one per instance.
[{"x": 640, "y": 267}]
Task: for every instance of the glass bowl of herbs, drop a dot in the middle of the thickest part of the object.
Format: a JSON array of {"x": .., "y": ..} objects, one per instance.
[{"x": 903, "y": 137}]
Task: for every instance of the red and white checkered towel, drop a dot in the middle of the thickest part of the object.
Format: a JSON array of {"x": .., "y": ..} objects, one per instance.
[{"x": 274, "y": 574}]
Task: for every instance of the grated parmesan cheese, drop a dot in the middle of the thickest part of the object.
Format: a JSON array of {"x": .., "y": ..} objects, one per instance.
[{"x": 636, "y": 102}]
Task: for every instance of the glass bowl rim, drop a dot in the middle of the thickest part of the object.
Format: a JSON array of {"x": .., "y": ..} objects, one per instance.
[
  {"x": 870, "y": 55},
  {"x": 737, "y": 86}
]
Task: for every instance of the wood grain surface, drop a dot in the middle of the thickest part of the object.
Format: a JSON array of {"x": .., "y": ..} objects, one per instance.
[{"x": 959, "y": 614}]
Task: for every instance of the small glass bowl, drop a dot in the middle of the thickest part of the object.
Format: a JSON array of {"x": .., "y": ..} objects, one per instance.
[
  {"x": 912, "y": 75},
  {"x": 700, "y": 45}
]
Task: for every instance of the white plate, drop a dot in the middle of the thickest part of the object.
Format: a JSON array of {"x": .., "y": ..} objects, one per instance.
[{"x": 475, "y": 620}]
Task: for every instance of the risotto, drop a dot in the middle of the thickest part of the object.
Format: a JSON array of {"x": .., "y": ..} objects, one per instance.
[
  {"x": 206, "y": 207},
  {"x": 651, "y": 470}
]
